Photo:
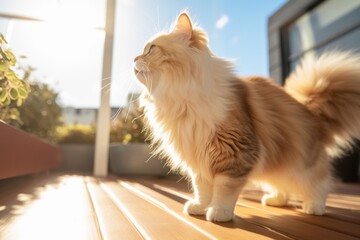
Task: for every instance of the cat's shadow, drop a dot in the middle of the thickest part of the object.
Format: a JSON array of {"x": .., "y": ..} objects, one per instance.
[
  {"x": 283, "y": 226},
  {"x": 267, "y": 221},
  {"x": 242, "y": 227}
]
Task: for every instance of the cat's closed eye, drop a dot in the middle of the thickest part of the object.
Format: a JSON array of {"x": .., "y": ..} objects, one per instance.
[{"x": 151, "y": 48}]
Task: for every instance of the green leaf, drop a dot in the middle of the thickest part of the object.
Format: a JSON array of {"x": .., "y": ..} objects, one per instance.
[
  {"x": 3, "y": 95},
  {"x": 14, "y": 113},
  {"x": 3, "y": 54},
  {"x": 7, "y": 101},
  {"x": 2, "y": 39},
  {"x": 19, "y": 102},
  {"x": 13, "y": 94},
  {"x": 22, "y": 92},
  {"x": 11, "y": 57},
  {"x": 11, "y": 75},
  {"x": 4, "y": 67}
]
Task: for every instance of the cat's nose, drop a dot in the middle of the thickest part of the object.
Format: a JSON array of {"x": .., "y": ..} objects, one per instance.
[{"x": 137, "y": 58}]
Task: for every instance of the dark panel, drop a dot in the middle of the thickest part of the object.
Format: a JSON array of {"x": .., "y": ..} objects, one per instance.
[{"x": 22, "y": 153}]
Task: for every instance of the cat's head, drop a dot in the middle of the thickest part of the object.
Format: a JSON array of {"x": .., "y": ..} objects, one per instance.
[{"x": 172, "y": 58}]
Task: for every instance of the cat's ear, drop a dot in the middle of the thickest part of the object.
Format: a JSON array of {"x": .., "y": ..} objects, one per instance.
[{"x": 183, "y": 26}]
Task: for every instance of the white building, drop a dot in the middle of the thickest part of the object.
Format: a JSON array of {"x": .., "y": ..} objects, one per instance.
[
  {"x": 72, "y": 115},
  {"x": 87, "y": 116}
]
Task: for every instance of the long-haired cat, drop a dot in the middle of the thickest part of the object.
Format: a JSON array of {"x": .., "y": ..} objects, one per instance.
[{"x": 223, "y": 130}]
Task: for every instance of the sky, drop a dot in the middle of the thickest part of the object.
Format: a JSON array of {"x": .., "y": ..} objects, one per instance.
[{"x": 67, "y": 48}]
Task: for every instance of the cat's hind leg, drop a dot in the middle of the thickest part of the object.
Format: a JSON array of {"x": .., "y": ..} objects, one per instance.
[
  {"x": 275, "y": 198},
  {"x": 314, "y": 197},
  {"x": 202, "y": 197},
  {"x": 316, "y": 183}
]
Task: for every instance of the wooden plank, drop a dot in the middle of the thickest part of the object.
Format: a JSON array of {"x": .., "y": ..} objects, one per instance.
[
  {"x": 341, "y": 220},
  {"x": 325, "y": 221},
  {"x": 276, "y": 218},
  {"x": 113, "y": 223},
  {"x": 337, "y": 219},
  {"x": 151, "y": 221},
  {"x": 239, "y": 228},
  {"x": 348, "y": 188},
  {"x": 60, "y": 209},
  {"x": 334, "y": 211},
  {"x": 344, "y": 201},
  {"x": 346, "y": 212},
  {"x": 12, "y": 192}
]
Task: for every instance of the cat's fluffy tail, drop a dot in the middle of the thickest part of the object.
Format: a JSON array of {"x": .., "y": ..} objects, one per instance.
[{"x": 330, "y": 88}]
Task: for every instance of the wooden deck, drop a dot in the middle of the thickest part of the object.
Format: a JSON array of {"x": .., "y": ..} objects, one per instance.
[{"x": 83, "y": 207}]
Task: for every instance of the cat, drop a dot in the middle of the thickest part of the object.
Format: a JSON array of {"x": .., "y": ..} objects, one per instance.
[{"x": 222, "y": 130}]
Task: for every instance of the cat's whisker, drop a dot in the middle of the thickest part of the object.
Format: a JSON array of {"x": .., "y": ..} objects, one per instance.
[
  {"x": 136, "y": 118},
  {"x": 129, "y": 106},
  {"x": 104, "y": 79},
  {"x": 146, "y": 76},
  {"x": 115, "y": 116},
  {"x": 128, "y": 90},
  {"x": 143, "y": 66},
  {"x": 119, "y": 111},
  {"x": 151, "y": 83},
  {"x": 106, "y": 87},
  {"x": 148, "y": 81},
  {"x": 130, "y": 86},
  {"x": 110, "y": 83},
  {"x": 146, "y": 67},
  {"x": 151, "y": 86},
  {"x": 133, "y": 100}
]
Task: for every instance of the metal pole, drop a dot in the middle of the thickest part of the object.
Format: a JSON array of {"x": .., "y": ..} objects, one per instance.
[{"x": 103, "y": 121}]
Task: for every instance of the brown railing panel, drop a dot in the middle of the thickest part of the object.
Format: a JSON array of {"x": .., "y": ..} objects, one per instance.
[{"x": 22, "y": 153}]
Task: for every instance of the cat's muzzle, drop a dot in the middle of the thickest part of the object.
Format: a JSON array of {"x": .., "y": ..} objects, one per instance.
[{"x": 139, "y": 67}]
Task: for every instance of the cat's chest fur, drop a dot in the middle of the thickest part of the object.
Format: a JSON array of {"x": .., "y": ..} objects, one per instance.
[
  {"x": 191, "y": 131},
  {"x": 184, "y": 129}
]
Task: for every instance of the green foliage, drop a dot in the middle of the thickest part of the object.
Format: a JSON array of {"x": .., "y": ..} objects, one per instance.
[
  {"x": 129, "y": 128},
  {"x": 13, "y": 89},
  {"x": 78, "y": 133},
  {"x": 40, "y": 114}
]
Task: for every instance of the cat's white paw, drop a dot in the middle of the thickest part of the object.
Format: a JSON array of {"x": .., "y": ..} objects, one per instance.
[
  {"x": 314, "y": 208},
  {"x": 216, "y": 214},
  {"x": 194, "y": 208},
  {"x": 276, "y": 201}
]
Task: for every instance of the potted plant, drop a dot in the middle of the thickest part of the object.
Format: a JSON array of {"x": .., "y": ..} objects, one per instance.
[
  {"x": 13, "y": 89},
  {"x": 21, "y": 153}
]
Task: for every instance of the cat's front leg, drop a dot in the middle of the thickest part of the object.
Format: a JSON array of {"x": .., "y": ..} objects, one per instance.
[
  {"x": 225, "y": 194},
  {"x": 202, "y": 197}
]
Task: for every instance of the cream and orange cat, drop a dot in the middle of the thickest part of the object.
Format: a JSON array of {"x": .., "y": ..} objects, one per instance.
[{"x": 222, "y": 130}]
